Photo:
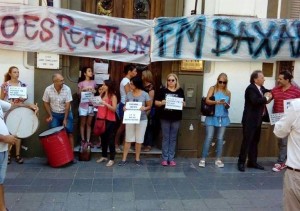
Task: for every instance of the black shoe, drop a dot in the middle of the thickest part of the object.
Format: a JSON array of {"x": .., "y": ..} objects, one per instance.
[
  {"x": 255, "y": 165},
  {"x": 241, "y": 167}
]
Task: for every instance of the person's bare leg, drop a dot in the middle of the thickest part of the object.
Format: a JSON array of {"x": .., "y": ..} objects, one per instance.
[
  {"x": 18, "y": 147},
  {"x": 119, "y": 134},
  {"x": 82, "y": 126},
  {"x": 2, "y": 201},
  {"x": 88, "y": 128},
  {"x": 137, "y": 151},
  {"x": 71, "y": 139},
  {"x": 125, "y": 150}
]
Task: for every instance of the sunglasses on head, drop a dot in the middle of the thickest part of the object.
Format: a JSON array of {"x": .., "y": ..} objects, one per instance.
[
  {"x": 171, "y": 80},
  {"x": 222, "y": 82}
]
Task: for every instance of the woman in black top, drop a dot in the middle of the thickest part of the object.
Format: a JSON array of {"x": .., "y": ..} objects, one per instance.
[{"x": 170, "y": 119}]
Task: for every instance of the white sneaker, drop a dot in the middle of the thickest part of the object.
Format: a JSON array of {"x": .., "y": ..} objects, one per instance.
[
  {"x": 202, "y": 163},
  {"x": 219, "y": 163},
  {"x": 110, "y": 163}
]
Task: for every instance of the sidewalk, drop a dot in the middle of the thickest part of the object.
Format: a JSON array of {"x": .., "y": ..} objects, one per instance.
[{"x": 92, "y": 186}]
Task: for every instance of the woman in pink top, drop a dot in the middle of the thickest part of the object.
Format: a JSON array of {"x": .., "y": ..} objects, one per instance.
[
  {"x": 86, "y": 84},
  {"x": 11, "y": 78},
  {"x": 109, "y": 101}
]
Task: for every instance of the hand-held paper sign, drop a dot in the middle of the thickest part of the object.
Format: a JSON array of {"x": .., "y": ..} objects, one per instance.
[{"x": 132, "y": 114}]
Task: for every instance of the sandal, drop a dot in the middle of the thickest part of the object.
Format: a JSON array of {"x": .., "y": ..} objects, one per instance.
[
  {"x": 147, "y": 149},
  {"x": 19, "y": 159},
  {"x": 9, "y": 160}
]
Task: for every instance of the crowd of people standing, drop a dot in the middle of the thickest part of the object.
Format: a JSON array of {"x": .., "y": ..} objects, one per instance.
[{"x": 140, "y": 90}]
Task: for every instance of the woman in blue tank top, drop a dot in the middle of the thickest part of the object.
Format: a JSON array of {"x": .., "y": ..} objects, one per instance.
[{"x": 219, "y": 121}]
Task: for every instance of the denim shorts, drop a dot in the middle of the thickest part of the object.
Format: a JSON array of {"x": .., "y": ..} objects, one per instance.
[
  {"x": 86, "y": 111},
  {"x": 3, "y": 165},
  {"x": 57, "y": 121}
]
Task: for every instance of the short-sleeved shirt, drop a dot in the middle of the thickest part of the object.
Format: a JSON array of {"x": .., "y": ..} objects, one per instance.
[
  {"x": 86, "y": 84},
  {"x": 167, "y": 114},
  {"x": 144, "y": 97},
  {"x": 57, "y": 100},
  {"x": 279, "y": 96},
  {"x": 4, "y": 106},
  {"x": 5, "y": 87},
  {"x": 123, "y": 83}
]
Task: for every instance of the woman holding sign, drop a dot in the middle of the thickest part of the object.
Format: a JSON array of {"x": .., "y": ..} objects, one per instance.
[
  {"x": 137, "y": 104},
  {"x": 86, "y": 89},
  {"x": 18, "y": 96},
  {"x": 109, "y": 106},
  {"x": 220, "y": 119},
  {"x": 169, "y": 102}
]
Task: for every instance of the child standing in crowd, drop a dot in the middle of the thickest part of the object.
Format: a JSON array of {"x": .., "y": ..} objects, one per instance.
[{"x": 86, "y": 111}]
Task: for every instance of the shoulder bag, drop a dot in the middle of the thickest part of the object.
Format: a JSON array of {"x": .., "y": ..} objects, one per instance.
[{"x": 207, "y": 110}]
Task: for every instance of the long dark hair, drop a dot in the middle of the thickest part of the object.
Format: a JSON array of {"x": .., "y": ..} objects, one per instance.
[
  {"x": 110, "y": 88},
  {"x": 82, "y": 72}
]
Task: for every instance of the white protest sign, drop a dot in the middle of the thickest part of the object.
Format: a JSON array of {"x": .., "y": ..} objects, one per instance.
[
  {"x": 17, "y": 92},
  {"x": 275, "y": 117},
  {"x": 96, "y": 100},
  {"x": 132, "y": 117},
  {"x": 100, "y": 68},
  {"x": 100, "y": 78},
  {"x": 174, "y": 103},
  {"x": 86, "y": 96},
  {"x": 133, "y": 105}
]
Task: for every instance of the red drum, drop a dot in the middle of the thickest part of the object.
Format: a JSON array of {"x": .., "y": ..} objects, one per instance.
[
  {"x": 21, "y": 122},
  {"x": 57, "y": 146}
]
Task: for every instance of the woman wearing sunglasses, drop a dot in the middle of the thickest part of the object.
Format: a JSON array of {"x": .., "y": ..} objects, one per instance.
[
  {"x": 169, "y": 119},
  {"x": 219, "y": 121}
]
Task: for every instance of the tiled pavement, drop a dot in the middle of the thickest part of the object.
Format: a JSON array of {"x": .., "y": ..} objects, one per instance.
[{"x": 91, "y": 186}]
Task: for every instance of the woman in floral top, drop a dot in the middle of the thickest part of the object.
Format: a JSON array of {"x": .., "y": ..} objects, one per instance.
[{"x": 11, "y": 78}]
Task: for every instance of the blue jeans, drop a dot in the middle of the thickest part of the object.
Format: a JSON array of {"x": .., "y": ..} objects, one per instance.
[
  {"x": 58, "y": 118},
  {"x": 169, "y": 132},
  {"x": 209, "y": 136},
  {"x": 3, "y": 165}
]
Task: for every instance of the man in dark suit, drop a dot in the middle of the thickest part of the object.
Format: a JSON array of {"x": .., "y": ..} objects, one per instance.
[{"x": 256, "y": 98}]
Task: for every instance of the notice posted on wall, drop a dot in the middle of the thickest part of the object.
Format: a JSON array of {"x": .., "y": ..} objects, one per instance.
[
  {"x": 100, "y": 78},
  {"x": 100, "y": 68}
]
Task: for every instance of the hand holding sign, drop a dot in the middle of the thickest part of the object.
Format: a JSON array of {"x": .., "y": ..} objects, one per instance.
[
  {"x": 174, "y": 103},
  {"x": 17, "y": 92},
  {"x": 132, "y": 113}
]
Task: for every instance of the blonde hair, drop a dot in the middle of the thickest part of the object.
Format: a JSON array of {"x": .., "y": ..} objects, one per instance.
[
  {"x": 147, "y": 76},
  {"x": 177, "y": 85},
  {"x": 217, "y": 87},
  {"x": 7, "y": 76}
]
